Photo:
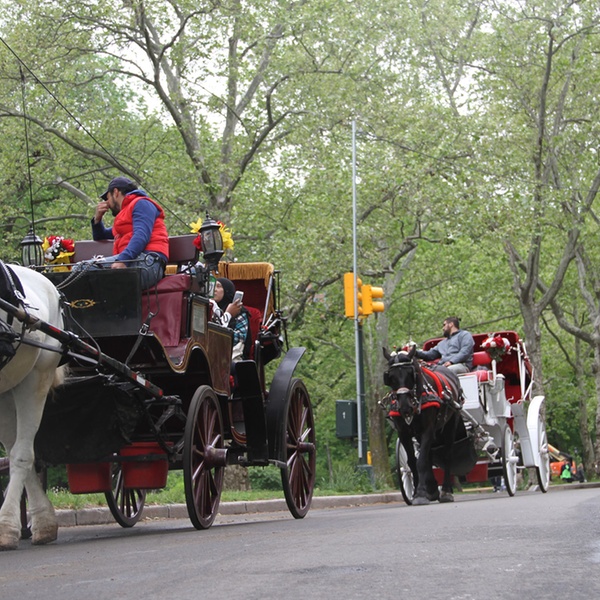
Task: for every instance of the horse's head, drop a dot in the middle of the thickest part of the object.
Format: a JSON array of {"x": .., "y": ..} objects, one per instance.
[{"x": 404, "y": 377}]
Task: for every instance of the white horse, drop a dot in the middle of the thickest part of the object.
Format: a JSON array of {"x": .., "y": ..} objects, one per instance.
[{"x": 24, "y": 384}]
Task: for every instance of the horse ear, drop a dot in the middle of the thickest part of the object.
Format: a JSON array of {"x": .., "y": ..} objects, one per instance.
[
  {"x": 386, "y": 354},
  {"x": 412, "y": 351}
]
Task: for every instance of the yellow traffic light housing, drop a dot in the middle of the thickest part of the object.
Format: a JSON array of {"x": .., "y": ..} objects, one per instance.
[
  {"x": 369, "y": 305},
  {"x": 350, "y": 293}
]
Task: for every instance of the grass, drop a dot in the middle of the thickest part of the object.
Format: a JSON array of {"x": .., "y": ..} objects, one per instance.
[{"x": 266, "y": 486}]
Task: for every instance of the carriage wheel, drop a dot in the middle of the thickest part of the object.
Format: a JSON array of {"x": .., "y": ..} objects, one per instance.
[
  {"x": 204, "y": 458},
  {"x": 405, "y": 475},
  {"x": 125, "y": 504},
  {"x": 298, "y": 476},
  {"x": 543, "y": 471},
  {"x": 510, "y": 459}
]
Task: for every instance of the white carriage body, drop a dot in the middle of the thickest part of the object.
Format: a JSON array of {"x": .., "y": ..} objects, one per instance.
[{"x": 498, "y": 406}]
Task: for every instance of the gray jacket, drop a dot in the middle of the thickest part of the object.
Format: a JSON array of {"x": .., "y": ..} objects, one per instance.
[{"x": 458, "y": 348}]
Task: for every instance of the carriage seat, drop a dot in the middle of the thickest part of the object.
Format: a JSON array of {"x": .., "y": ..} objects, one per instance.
[
  {"x": 168, "y": 299},
  {"x": 256, "y": 281},
  {"x": 482, "y": 359},
  {"x": 181, "y": 251}
]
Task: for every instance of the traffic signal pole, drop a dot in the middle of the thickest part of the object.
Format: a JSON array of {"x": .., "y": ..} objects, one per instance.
[{"x": 358, "y": 338}]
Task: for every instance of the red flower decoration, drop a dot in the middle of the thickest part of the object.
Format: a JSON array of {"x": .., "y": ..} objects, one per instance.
[{"x": 496, "y": 346}]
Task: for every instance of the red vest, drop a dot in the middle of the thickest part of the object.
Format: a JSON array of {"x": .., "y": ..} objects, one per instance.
[{"x": 123, "y": 227}]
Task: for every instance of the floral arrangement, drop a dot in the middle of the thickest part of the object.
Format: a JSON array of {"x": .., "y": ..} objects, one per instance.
[
  {"x": 58, "y": 250},
  {"x": 225, "y": 234},
  {"x": 496, "y": 346}
]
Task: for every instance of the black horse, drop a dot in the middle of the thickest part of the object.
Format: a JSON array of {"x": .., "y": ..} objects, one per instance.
[{"x": 424, "y": 404}]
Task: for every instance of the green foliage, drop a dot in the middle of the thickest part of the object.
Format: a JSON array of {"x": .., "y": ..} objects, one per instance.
[
  {"x": 347, "y": 479},
  {"x": 265, "y": 478},
  {"x": 251, "y": 117}
]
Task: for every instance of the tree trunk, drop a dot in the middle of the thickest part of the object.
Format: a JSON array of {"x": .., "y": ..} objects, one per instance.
[
  {"x": 596, "y": 369},
  {"x": 373, "y": 379},
  {"x": 587, "y": 448}
]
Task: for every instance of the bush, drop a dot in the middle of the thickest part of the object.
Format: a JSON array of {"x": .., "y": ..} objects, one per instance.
[{"x": 265, "y": 478}]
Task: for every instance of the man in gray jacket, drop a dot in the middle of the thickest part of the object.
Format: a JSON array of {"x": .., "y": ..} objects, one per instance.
[{"x": 455, "y": 351}]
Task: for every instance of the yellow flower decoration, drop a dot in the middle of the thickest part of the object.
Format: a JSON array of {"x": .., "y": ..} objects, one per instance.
[
  {"x": 227, "y": 237},
  {"x": 58, "y": 251},
  {"x": 196, "y": 226}
]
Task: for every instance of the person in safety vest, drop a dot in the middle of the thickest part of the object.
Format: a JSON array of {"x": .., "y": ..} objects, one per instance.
[
  {"x": 566, "y": 474},
  {"x": 139, "y": 231}
]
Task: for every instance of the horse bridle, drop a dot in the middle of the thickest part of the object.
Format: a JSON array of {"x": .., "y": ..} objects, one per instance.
[{"x": 412, "y": 394}]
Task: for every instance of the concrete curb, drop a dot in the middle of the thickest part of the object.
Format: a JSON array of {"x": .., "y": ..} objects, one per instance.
[{"x": 102, "y": 516}]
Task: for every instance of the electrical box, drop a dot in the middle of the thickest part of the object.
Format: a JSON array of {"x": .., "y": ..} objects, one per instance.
[{"x": 346, "y": 421}]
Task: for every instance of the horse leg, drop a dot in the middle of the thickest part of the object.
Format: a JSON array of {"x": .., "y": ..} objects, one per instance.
[
  {"x": 449, "y": 439},
  {"x": 28, "y": 399},
  {"x": 44, "y": 526},
  {"x": 10, "y": 513},
  {"x": 427, "y": 487}
]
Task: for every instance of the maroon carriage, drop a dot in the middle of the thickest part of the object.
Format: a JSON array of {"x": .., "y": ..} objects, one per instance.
[
  {"x": 151, "y": 389},
  {"x": 504, "y": 423}
]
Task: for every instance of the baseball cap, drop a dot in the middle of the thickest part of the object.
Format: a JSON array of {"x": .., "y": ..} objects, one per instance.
[{"x": 118, "y": 182}]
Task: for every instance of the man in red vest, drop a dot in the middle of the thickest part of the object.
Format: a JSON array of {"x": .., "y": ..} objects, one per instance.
[{"x": 139, "y": 232}]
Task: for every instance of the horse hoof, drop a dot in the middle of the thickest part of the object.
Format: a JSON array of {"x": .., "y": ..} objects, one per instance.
[
  {"x": 433, "y": 496},
  {"x": 446, "y": 497},
  {"x": 45, "y": 536},
  {"x": 420, "y": 501},
  {"x": 9, "y": 540}
]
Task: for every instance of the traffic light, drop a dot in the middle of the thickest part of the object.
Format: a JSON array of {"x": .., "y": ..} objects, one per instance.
[
  {"x": 369, "y": 305},
  {"x": 350, "y": 293}
]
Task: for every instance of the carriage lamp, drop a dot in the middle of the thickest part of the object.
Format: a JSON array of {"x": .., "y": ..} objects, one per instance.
[
  {"x": 212, "y": 242},
  {"x": 31, "y": 250}
]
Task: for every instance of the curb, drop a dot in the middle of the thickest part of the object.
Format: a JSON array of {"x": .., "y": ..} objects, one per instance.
[{"x": 103, "y": 516}]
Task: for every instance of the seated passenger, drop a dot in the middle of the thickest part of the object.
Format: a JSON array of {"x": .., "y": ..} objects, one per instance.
[
  {"x": 139, "y": 232},
  {"x": 230, "y": 313},
  {"x": 455, "y": 351}
]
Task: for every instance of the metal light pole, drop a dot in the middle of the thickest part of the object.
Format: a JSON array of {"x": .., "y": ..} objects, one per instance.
[{"x": 360, "y": 388}]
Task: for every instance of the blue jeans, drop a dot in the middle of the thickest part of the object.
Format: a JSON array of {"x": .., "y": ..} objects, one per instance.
[{"x": 152, "y": 268}]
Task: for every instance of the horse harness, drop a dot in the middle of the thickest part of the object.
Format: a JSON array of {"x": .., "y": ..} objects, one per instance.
[
  {"x": 437, "y": 390},
  {"x": 11, "y": 290}
]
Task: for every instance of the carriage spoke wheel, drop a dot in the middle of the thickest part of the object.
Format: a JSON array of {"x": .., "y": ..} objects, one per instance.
[
  {"x": 298, "y": 476},
  {"x": 405, "y": 475},
  {"x": 543, "y": 470},
  {"x": 510, "y": 461},
  {"x": 204, "y": 458},
  {"x": 125, "y": 504}
]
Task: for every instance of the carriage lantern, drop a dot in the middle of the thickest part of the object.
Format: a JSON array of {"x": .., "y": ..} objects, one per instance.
[
  {"x": 31, "y": 250},
  {"x": 212, "y": 242}
]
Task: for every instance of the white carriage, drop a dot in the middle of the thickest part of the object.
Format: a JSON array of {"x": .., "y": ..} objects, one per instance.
[{"x": 505, "y": 426}]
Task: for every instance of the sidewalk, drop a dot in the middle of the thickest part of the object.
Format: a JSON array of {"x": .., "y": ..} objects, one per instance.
[{"x": 103, "y": 516}]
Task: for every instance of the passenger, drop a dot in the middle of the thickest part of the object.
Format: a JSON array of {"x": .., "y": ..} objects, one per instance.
[
  {"x": 139, "y": 232},
  {"x": 455, "y": 351},
  {"x": 231, "y": 313}
]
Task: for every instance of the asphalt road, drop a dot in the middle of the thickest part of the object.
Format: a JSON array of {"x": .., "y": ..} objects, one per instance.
[{"x": 482, "y": 547}]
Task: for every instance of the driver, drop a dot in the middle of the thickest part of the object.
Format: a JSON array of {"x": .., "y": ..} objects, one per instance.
[
  {"x": 455, "y": 351},
  {"x": 139, "y": 231}
]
